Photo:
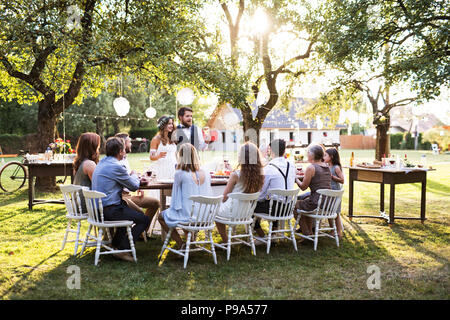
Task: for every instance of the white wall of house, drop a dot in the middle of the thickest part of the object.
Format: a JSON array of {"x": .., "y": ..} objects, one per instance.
[{"x": 234, "y": 138}]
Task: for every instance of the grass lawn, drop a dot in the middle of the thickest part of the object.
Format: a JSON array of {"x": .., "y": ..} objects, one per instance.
[{"x": 413, "y": 257}]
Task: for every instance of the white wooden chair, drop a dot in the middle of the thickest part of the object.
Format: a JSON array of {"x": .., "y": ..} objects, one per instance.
[
  {"x": 241, "y": 211},
  {"x": 435, "y": 148},
  {"x": 96, "y": 220},
  {"x": 328, "y": 203},
  {"x": 71, "y": 195},
  {"x": 204, "y": 210},
  {"x": 284, "y": 211}
]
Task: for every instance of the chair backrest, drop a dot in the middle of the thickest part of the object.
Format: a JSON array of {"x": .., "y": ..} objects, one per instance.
[
  {"x": 204, "y": 210},
  {"x": 284, "y": 206},
  {"x": 242, "y": 205},
  {"x": 94, "y": 205},
  {"x": 329, "y": 201},
  {"x": 71, "y": 195}
]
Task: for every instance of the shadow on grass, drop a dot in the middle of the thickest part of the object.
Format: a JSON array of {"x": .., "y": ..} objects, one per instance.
[
  {"x": 18, "y": 196},
  {"x": 431, "y": 231},
  {"x": 434, "y": 187}
]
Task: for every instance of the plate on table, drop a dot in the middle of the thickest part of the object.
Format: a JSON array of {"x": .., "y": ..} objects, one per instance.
[
  {"x": 369, "y": 166},
  {"x": 165, "y": 180},
  {"x": 219, "y": 177}
]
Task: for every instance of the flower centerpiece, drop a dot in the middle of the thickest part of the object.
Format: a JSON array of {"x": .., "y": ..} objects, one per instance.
[{"x": 61, "y": 148}]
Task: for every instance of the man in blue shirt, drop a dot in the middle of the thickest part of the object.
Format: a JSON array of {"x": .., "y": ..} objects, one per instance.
[{"x": 110, "y": 177}]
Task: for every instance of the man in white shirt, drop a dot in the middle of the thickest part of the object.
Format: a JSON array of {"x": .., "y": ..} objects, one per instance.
[
  {"x": 279, "y": 174},
  {"x": 188, "y": 132}
]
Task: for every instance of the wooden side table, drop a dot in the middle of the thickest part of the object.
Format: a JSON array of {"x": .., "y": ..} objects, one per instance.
[
  {"x": 391, "y": 177},
  {"x": 43, "y": 169}
]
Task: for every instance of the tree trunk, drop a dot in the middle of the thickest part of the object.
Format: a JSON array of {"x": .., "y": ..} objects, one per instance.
[
  {"x": 45, "y": 135},
  {"x": 383, "y": 141},
  {"x": 99, "y": 128},
  {"x": 251, "y": 131}
]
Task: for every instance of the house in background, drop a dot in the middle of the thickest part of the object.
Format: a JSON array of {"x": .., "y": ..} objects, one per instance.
[
  {"x": 402, "y": 121},
  {"x": 283, "y": 124}
]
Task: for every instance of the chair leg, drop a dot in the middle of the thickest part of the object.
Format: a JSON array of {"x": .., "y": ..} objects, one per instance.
[
  {"x": 86, "y": 240},
  {"x": 252, "y": 241},
  {"x": 292, "y": 235},
  {"x": 316, "y": 234},
  {"x": 212, "y": 246},
  {"x": 269, "y": 237},
  {"x": 335, "y": 233},
  {"x": 166, "y": 242},
  {"x": 186, "y": 253},
  {"x": 230, "y": 232},
  {"x": 77, "y": 238},
  {"x": 99, "y": 242},
  {"x": 66, "y": 234},
  {"x": 130, "y": 238}
]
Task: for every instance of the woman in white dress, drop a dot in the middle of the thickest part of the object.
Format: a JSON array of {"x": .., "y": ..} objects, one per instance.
[
  {"x": 163, "y": 150},
  {"x": 249, "y": 179}
]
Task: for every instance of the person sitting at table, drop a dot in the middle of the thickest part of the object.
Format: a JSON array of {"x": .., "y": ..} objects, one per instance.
[
  {"x": 86, "y": 160},
  {"x": 249, "y": 179},
  {"x": 110, "y": 177},
  {"x": 163, "y": 149},
  {"x": 317, "y": 176},
  {"x": 189, "y": 180},
  {"x": 279, "y": 174},
  {"x": 150, "y": 204},
  {"x": 332, "y": 158}
]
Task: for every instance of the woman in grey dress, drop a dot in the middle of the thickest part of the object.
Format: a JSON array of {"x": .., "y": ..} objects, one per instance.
[
  {"x": 85, "y": 162},
  {"x": 317, "y": 176}
]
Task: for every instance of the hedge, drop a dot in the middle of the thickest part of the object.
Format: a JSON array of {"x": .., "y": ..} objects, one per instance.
[
  {"x": 405, "y": 141},
  {"x": 12, "y": 143},
  {"x": 147, "y": 133}
]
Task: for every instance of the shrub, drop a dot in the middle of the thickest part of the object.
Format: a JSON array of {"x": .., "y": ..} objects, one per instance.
[
  {"x": 396, "y": 139},
  {"x": 148, "y": 133},
  {"x": 12, "y": 143},
  {"x": 439, "y": 135}
]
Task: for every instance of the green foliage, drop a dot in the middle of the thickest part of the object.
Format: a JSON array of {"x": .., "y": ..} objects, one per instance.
[
  {"x": 439, "y": 135},
  {"x": 16, "y": 118},
  {"x": 396, "y": 140},
  {"x": 147, "y": 133},
  {"x": 12, "y": 143},
  {"x": 406, "y": 141}
]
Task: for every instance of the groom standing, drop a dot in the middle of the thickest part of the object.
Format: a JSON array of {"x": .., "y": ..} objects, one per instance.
[{"x": 187, "y": 132}]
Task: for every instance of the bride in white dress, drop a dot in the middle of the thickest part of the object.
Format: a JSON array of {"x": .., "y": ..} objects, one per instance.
[{"x": 163, "y": 150}]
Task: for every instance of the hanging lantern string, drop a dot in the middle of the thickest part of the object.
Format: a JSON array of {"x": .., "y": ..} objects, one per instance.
[{"x": 105, "y": 117}]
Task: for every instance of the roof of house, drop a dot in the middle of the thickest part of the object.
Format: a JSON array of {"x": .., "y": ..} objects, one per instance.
[{"x": 285, "y": 119}]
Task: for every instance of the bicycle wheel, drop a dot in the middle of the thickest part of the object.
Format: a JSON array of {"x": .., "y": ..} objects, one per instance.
[{"x": 12, "y": 176}]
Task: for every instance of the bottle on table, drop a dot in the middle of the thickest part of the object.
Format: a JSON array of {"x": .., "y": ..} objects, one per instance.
[{"x": 352, "y": 160}]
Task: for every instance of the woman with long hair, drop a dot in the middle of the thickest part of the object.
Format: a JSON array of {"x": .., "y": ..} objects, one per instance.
[
  {"x": 189, "y": 180},
  {"x": 247, "y": 178},
  {"x": 86, "y": 160},
  {"x": 163, "y": 149},
  {"x": 332, "y": 158}
]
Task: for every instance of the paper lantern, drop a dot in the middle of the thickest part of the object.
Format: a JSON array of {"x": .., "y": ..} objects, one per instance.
[
  {"x": 150, "y": 112},
  {"x": 122, "y": 106},
  {"x": 185, "y": 96}
]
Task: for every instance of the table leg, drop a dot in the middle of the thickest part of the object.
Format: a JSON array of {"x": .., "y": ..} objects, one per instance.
[
  {"x": 423, "y": 200},
  {"x": 162, "y": 199},
  {"x": 350, "y": 198},
  {"x": 392, "y": 204},
  {"x": 30, "y": 192},
  {"x": 381, "y": 197}
]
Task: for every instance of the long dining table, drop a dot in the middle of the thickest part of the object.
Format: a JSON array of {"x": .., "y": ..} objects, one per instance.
[{"x": 165, "y": 188}]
